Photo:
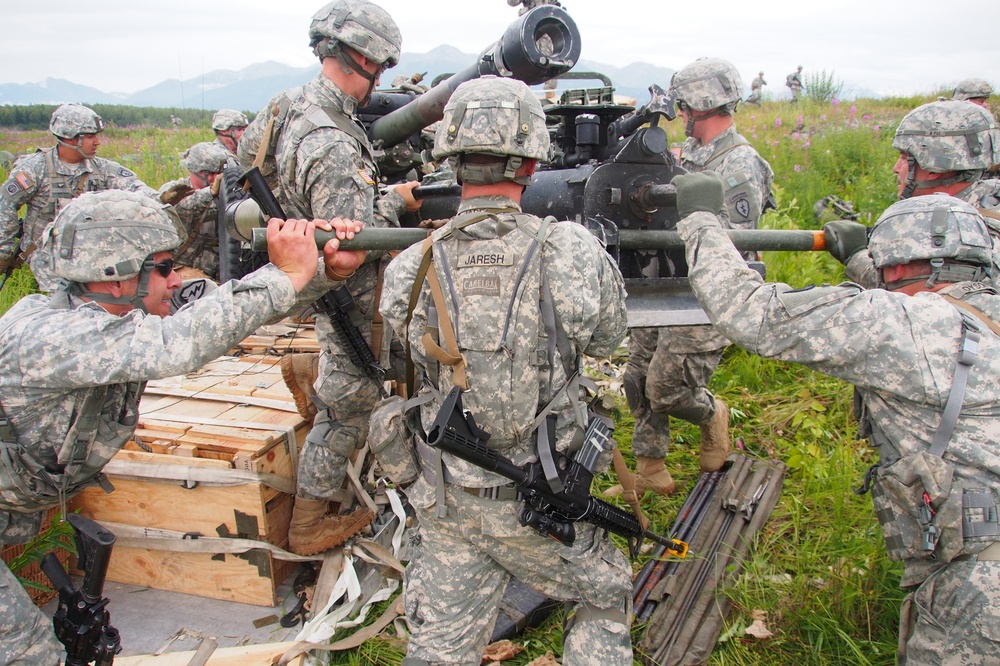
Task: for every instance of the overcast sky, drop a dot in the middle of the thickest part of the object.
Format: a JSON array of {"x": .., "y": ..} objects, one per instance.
[{"x": 891, "y": 47}]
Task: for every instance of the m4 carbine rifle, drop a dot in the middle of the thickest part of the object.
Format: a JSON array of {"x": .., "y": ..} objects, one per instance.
[
  {"x": 82, "y": 621},
  {"x": 555, "y": 498}
]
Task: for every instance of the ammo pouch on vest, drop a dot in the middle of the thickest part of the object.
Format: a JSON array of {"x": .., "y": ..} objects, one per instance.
[{"x": 391, "y": 441}]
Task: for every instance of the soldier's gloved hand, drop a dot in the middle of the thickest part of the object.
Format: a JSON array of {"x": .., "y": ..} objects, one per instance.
[
  {"x": 699, "y": 192},
  {"x": 844, "y": 238}
]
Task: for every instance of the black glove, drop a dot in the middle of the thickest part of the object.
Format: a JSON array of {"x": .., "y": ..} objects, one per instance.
[
  {"x": 699, "y": 192},
  {"x": 844, "y": 238}
]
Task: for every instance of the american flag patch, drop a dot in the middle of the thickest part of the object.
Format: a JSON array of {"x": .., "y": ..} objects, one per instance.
[{"x": 23, "y": 180}]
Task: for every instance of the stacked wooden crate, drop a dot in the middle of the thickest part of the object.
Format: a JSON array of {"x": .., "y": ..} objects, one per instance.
[{"x": 233, "y": 422}]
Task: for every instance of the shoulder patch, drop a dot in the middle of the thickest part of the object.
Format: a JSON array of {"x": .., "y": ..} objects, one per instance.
[
  {"x": 125, "y": 172},
  {"x": 800, "y": 301},
  {"x": 18, "y": 182}
]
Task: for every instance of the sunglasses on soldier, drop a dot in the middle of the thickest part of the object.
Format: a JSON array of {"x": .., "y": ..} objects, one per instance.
[{"x": 164, "y": 268}]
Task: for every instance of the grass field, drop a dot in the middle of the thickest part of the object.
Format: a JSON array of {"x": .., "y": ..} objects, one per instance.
[{"x": 819, "y": 569}]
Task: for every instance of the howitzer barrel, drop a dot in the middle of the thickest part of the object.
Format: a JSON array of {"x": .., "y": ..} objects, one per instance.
[
  {"x": 745, "y": 240},
  {"x": 538, "y": 46}
]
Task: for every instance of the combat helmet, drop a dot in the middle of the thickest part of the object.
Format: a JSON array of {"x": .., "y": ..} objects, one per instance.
[
  {"x": 972, "y": 89},
  {"x": 708, "y": 84},
  {"x": 109, "y": 236},
  {"x": 205, "y": 156},
  {"x": 361, "y": 25},
  {"x": 71, "y": 120},
  {"x": 492, "y": 116},
  {"x": 227, "y": 118},
  {"x": 948, "y": 232},
  {"x": 944, "y": 136}
]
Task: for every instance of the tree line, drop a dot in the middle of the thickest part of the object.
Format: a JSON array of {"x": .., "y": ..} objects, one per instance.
[{"x": 36, "y": 116}]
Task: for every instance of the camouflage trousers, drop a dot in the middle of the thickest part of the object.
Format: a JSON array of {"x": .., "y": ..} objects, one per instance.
[
  {"x": 953, "y": 618},
  {"x": 667, "y": 374},
  {"x": 463, "y": 562},
  {"x": 26, "y": 634},
  {"x": 349, "y": 396}
]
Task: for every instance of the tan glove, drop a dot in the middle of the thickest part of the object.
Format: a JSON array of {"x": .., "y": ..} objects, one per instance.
[{"x": 176, "y": 193}]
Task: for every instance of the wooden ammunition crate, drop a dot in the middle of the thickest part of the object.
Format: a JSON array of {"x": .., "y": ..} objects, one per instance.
[
  {"x": 233, "y": 414},
  {"x": 289, "y": 336}
]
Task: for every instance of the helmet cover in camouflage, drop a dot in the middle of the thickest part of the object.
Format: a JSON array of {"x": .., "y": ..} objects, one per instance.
[
  {"x": 361, "y": 25},
  {"x": 205, "y": 156},
  {"x": 493, "y": 116},
  {"x": 226, "y": 118},
  {"x": 930, "y": 227},
  {"x": 71, "y": 120},
  {"x": 106, "y": 236},
  {"x": 948, "y": 135},
  {"x": 972, "y": 89},
  {"x": 707, "y": 83}
]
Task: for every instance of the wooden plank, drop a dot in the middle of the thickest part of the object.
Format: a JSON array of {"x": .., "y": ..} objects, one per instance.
[
  {"x": 155, "y": 459},
  {"x": 249, "y": 578},
  {"x": 244, "y": 655},
  {"x": 165, "y": 504}
]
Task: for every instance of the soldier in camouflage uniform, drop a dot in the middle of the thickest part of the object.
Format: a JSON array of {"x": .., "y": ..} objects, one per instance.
[
  {"x": 976, "y": 91},
  {"x": 471, "y": 542},
  {"x": 669, "y": 368},
  {"x": 74, "y": 365},
  {"x": 794, "y": 83},
  {"x": 229, "y": 125},
  {"x": 198, "y": 255},
  {"x": 323, "y": 166},
  {"x": 757, "y": 89},
  {"x": 47, "y": 180},
  {"x": 944, "y": 147},
  {"x": 929, "y": 395}
]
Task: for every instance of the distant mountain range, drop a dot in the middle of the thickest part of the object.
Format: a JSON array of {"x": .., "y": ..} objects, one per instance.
[{"x": 250, "y": 88}]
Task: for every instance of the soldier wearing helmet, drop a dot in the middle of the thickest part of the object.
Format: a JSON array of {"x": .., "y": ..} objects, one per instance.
[
  {"x": 494, "y": 133},
  {"x": 73, "y": 365},
  {"x": 923, "y": 354},
  {"x": 195, "y": 201},
  {"x": 794, "y": 83},
  {"x": 945, "y": 147},
  {"x": 47, "y": 180},
  {"x": 669, "y": 368},
  {"x": 229, "y": 125},
  {"x": 320, "y": 163},
  {"x": 973, "y": 90},
  {"x": 757, "y": 89}
]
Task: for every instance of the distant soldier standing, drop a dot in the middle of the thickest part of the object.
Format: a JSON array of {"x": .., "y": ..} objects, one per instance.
[
  {"x": 794, "y": 83},
  {"x": 756, "y": 91},
  {"x": 198, "y": 254},
  {"x": 229, "y": 125},
  {"x": 669, "y": 368},
  {"x": 47, "y": 180},
  {"x": 323, "y": 166}
]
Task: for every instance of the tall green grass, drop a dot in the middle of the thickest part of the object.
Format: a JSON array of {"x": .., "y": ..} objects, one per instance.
[{"x": 819, "y": 568}]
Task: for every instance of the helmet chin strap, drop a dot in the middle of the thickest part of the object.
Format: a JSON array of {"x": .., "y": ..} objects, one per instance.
[
  {"x": 136, "y": 300},
  {"x": 62, "y": 142},
  {"x": 689, "y": 128},
  {"x": 353, "y": 65},
  {"x": 913, "y": 184}
]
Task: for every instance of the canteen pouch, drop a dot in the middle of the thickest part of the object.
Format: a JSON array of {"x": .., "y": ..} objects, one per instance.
[
  {"x": 391, "y": 442},
  {"x": 921, "y": 517}
]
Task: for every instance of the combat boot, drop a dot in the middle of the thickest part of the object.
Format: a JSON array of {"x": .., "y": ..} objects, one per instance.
[
  {"x": 299, "y": 372},
  {"x": 313, "y": 530},
  {"x": 651, "y": 474},
  {"x": 715, "y": 443}
]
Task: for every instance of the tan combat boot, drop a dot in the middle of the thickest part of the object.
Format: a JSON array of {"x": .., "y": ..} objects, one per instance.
[
  {"x": 651, "y": 474},
  {"x": 715, "y": 443},
  {"x": 299, "y": 372},
  {"x": 313, "y": 531}
]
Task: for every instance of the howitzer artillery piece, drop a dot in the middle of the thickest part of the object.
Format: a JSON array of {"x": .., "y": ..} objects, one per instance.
[{"x": 610, "y": 169}]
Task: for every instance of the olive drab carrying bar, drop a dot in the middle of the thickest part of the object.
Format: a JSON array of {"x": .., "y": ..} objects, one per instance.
[{"x": 719, "y": 520}]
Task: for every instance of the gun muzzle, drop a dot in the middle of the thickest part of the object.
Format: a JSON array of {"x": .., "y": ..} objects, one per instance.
[{"x": 540, "y": 45}]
